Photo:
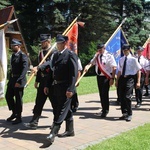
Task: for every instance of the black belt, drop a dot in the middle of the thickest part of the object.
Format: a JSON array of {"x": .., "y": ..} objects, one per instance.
[
  {"x": 15, "y": 75},
  {"x": 58, "y": 82},
  {"x": 127, "y": 76}
]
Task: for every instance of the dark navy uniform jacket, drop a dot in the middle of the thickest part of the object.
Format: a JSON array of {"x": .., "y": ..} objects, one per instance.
[
  {"x": 19, "y": 67},
  {"x": 42, "y": 74},
  {"x": 65, "y": 68}
]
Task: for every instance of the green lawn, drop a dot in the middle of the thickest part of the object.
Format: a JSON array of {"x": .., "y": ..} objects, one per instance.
[
  {"x": 136, "y": 139},
  {"x": 87, "y": 85},
  {"x": 29, "y": 94}
]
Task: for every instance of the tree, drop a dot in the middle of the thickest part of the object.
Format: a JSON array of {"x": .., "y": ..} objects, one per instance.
[
  {"x": 101, "y": 18},
  {"x": 135, "y": 27},
  {"x": 4, "y": 3}
]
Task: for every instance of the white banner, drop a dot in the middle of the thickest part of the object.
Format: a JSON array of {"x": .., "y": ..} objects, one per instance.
[{"x": 3, "y": 63}]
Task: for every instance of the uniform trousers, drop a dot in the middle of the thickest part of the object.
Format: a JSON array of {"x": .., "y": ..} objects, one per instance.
[
  {"x": 14, "y": 99},
  {"x": 139, "y": 91},
  {"x": 41, "y": 99},
  {"x": 103, "y": 86},
  {"x": 126, "y": 91},
  {"x": 63, "y": 108},
  {"x": 118, "y": 93}
]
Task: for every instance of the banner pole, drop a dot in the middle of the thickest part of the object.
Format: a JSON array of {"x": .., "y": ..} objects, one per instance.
[
  {"x": 64, "y": 33},
  {"x": 7, "y": 23}
]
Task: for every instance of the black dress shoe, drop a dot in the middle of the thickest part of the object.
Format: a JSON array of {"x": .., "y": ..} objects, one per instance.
[
  {"x": 146, "y": 94},
  {"x": 66, "y": 134},
  {"x": 17, "y": 120},
  {"x": 31, "y": 125},
  {"x": 103, "y": 115},
  {"x": 123, "y": 117},
  {"x": 138, "y": 105},
  {"x": 13, "y": 116},
  {"x": 129, "y": 118}
]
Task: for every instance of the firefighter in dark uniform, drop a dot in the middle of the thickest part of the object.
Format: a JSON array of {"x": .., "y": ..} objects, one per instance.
[
  {"x": 41, "y": 76},
  {"x": 17, "y": 81},
  {"x": 64, "y": 64}
]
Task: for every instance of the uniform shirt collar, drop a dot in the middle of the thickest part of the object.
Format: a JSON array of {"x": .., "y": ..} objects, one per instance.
[
  {"x": 128, "y": 56},
  {"x": 104, "y": 54},
  {"x": 62, "y": 51},
  {"x": 16, "y": 54}
]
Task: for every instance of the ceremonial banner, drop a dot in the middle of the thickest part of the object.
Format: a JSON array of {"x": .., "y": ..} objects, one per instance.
[
  {"x": 115, "y": 43},
  {"x": 73, "y": 37},
  {"x": 3, "y": 63},
  {"x": 146, "y": 52}
]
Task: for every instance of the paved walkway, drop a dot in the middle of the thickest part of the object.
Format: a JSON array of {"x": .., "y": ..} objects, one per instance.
[{"x": 89, "y": 129}]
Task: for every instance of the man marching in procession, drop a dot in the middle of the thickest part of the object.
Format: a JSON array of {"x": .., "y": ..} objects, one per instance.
[
  {"x": 128, "y": 70},
  {"x": 17, "y": 81},
  {"x": 105, "y": 67},
  {"x": 64, "y": 65},
  {"x": 144, "y": 64},
  {"x": 39, "y": 84}
]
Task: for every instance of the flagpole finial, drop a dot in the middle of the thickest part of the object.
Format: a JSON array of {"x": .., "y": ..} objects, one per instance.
[
  {"x": 79, "y": 15},
  {"x": 123, "y": 21},
  {"x": 12, "y": 21}
]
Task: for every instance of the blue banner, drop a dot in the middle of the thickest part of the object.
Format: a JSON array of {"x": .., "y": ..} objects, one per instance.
[{"x": 115, "y": 44}]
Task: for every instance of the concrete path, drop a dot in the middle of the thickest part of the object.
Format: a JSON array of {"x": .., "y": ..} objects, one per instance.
[{"x": 89, "y": 129}]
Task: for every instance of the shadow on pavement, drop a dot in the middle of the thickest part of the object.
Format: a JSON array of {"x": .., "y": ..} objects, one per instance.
[{"x": 18, "y": 132}]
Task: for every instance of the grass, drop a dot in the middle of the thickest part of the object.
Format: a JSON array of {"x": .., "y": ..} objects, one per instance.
[
  {"x": 87, "y": 85},
  {"x": 29, "y": 94},
  {"x": 136, "y": 139}
]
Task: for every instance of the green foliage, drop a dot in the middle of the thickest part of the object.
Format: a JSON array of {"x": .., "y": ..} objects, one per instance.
[
  {"x": 4, "y": 3},
  {"x": 101, "y": 18},
  {"x": 9, "y": 53},
  {"x": 88, "y": 55},
  {"x": 135, "y": 22},
  {"x": 34, "y": 55}
]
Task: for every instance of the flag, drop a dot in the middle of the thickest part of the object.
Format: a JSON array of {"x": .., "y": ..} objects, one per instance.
[
  {"x": 73, "y": 37},
  {"x": 115, "y": 43},
  {"x": 3, "y": 63},
  {"x": 146, "y": 52}
]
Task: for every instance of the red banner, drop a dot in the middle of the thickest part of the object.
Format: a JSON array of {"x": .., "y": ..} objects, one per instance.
[
  {"x": 73, "y": 37},
  {"x": 146, "y": 52}
]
